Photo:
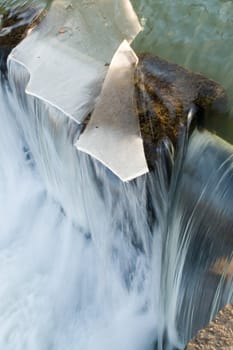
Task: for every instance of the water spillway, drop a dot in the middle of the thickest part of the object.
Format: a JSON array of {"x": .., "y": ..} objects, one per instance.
[{"x": 88, "y": 261}]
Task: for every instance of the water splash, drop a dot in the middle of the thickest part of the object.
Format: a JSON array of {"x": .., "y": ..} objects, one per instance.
[
  {"x": 87, "y": 261},
  {"x": 76, "y": 244},
  {"x": 198, "y": 248}
]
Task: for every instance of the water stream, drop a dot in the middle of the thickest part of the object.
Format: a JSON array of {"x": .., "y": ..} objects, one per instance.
[{"x": 89, "y": 262}]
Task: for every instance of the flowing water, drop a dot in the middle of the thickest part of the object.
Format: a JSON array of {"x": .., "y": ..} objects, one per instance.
[{"x": 90, "y": 262}]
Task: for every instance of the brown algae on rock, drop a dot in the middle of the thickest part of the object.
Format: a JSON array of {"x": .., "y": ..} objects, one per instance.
[{"x": 164, "y": 93}]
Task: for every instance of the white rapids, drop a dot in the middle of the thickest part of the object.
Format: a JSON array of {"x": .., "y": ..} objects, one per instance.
[
  {"x": 88, "y": 262},
  {"x": 73, "y": 275}
]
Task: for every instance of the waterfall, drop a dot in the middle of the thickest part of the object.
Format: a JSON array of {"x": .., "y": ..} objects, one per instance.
[
  {"x": 90, "y": 262},
  {"x": 76, "y": 241},
  {"x": 197, "y": 265}
]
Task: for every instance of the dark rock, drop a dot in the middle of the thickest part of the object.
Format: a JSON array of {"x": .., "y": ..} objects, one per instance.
[
  {"x": 16, "y": 22},
  {"x": 217, "y": 335},
  {"x": 165, "y": 92},
  {"x": 14, "y": 26}
]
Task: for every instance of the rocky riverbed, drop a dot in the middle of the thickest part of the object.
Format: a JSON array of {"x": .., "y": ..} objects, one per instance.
[{"x": 217, "y": 335}]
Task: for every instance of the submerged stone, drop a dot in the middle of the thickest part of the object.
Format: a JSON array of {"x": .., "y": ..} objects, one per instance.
[{"x": 164, "y": 93}]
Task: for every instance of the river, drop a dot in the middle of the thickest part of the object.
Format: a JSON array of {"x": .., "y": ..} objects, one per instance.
[{"x": 88, "y": 262}]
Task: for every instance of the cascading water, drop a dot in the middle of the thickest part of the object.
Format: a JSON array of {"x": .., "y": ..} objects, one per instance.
[
  {"x": 90, "y": 262},
  {"x": 75, "y": 263},
  {"x": 197, "y": 265}
]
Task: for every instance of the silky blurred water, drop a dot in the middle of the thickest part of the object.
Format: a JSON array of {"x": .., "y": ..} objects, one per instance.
[
  {"x": 80, "y": 260},
  {"x": 9, "y": 4}
]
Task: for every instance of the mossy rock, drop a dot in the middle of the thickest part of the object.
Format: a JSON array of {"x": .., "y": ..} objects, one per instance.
[{"x": 164, "y": 93}]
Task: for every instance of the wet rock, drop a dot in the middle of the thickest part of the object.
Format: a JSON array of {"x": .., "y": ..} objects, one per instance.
[
  {"x": 217, "y": 335},
  {"x": 16, "y": 22},
  {"x": 164, "y": 93},
  {"x": 14, "y": 26}
]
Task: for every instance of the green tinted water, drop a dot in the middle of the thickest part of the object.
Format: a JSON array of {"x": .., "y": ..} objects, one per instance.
[
  {"x": 197, "y": 34},
  {"x": 9, "y": 4}
]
